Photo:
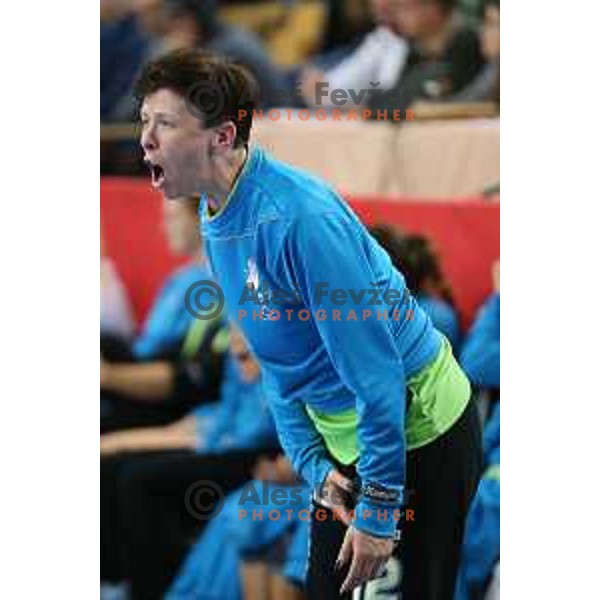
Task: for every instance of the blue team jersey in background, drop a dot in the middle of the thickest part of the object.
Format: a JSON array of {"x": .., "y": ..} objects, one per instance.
[
  {"x": 240, "y": 420},
  {"x": 168, "y": 320}
]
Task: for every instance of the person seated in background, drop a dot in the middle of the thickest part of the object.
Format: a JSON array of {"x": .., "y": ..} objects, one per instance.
[
  {"x": 346, "y": 24},
  {"x": 131, "y": 33},
  {"x": 486, "y": 86},
  {"x": 234, "y": 422},
  {"x": 116, "y": 316},
  {"x": 379, "y": 59},
  {"x": 480, "y": 356},
  {"x": 168, "y": 25},
  {"x": 415, "y": 256},
  {"x": 479, "y": 571},
  {"x": 244, "y": 556},
  {"x": 444, "y": 55},
  {"x": 151, "y": 505},
  {"x": 123, "y": 47},
  {"x": 176, "y": 361},
  {"x": 195, "y": 23},
  {"x": 274, "y": 551}
]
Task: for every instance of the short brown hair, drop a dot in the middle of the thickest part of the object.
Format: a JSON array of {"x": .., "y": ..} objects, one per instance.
[{"x": 194, "y": 75}]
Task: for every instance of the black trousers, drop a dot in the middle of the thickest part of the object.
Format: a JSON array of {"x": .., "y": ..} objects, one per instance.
[
  {"x": 441, "y": 479},
  {"x": 153, "y": 506}
]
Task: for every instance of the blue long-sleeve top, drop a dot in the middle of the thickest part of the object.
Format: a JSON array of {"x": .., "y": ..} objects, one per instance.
[
  {"x": 480, "y": 356},
  {"x": 284, "y": 230},
  {"x": 169, "y": 319},
  {"x": 242, "y": 420}
]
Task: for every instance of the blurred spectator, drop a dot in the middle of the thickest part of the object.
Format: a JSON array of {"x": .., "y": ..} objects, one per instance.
[
  {"x": 242, "y": 557},
  {"x": 471, "y": 10},
  {"x": 480, "y": 356},
  {"x": 480, "y": 560},
  {"x": 175, "y": 363},
  {"x": 169, "y": 319},
  {"x": 123, "y": 47},
  {"x": 378, "y": 59},
  {"x": 127, "y": 31},
  {"x": 194, "y": 23},
  {"x": 347, "y": 22},
  {"x": 166, "y": 25},
  {"x": 444, "y": 54},
  {"x": 238, "y": 421},
  {"x": 148, "y": 516},
  {"x": 115, "y": 310},
  {"x": 414, "y": 256},
  {"x": 486, "y": 86}
]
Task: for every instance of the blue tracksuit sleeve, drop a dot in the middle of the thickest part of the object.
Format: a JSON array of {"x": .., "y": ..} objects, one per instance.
[
  {"x": 480, "y": 356},
  {"x": 298, "y": 437},
  {"x": 327, "y": 252}
]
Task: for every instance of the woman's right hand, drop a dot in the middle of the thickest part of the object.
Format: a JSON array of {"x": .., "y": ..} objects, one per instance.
[{"x": 337, "y": 494}]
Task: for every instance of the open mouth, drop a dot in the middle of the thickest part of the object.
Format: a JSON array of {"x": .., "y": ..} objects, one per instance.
[{"x": 157, "y": 173}]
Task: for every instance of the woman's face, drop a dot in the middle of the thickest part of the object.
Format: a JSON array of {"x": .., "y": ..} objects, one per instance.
[
  {"x": 405, "y": 17},
  {"x": 490, "y": 34},
  {"x": 247, "y": 364},
  {"x": 380, "y": 11},
  {"x": 151, "y": 15}
]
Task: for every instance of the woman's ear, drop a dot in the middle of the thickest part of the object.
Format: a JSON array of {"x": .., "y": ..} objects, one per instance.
[{"x": 225, "y": 136}]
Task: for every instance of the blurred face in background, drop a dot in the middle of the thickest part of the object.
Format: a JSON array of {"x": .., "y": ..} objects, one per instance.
[
  {"x": 490, "y": 33},
  {"x": 358, "y": 12},
  {"x": 414, "y": 18},
  {"x": 181, "y": 28},
  {"x": 246, "y": 362},
  {"x": 151, "y": 15},
  {"x": 181, "y": 226},
  {"x": 380, "y": 10}
]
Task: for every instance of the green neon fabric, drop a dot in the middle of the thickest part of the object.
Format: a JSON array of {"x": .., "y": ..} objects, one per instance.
[{"x": 440, "y": 392}]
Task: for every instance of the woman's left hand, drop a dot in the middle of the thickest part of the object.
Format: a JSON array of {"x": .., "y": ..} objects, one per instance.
[{"x": 369, "y": 554}]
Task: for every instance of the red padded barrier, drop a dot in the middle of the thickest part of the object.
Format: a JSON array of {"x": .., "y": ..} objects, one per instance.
[
  {"x": 131, "y": 221},
  {"x": 466, "y": 232}
]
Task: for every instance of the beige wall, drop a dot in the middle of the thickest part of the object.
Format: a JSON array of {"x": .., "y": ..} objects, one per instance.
[{"x": 437, "y": 159}]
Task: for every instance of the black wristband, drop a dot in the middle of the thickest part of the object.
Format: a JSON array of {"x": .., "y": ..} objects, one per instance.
[{"x": 379, "y": 493}]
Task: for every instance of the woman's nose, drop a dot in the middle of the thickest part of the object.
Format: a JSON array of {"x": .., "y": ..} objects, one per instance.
[{"x": 148, "y": 139}]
